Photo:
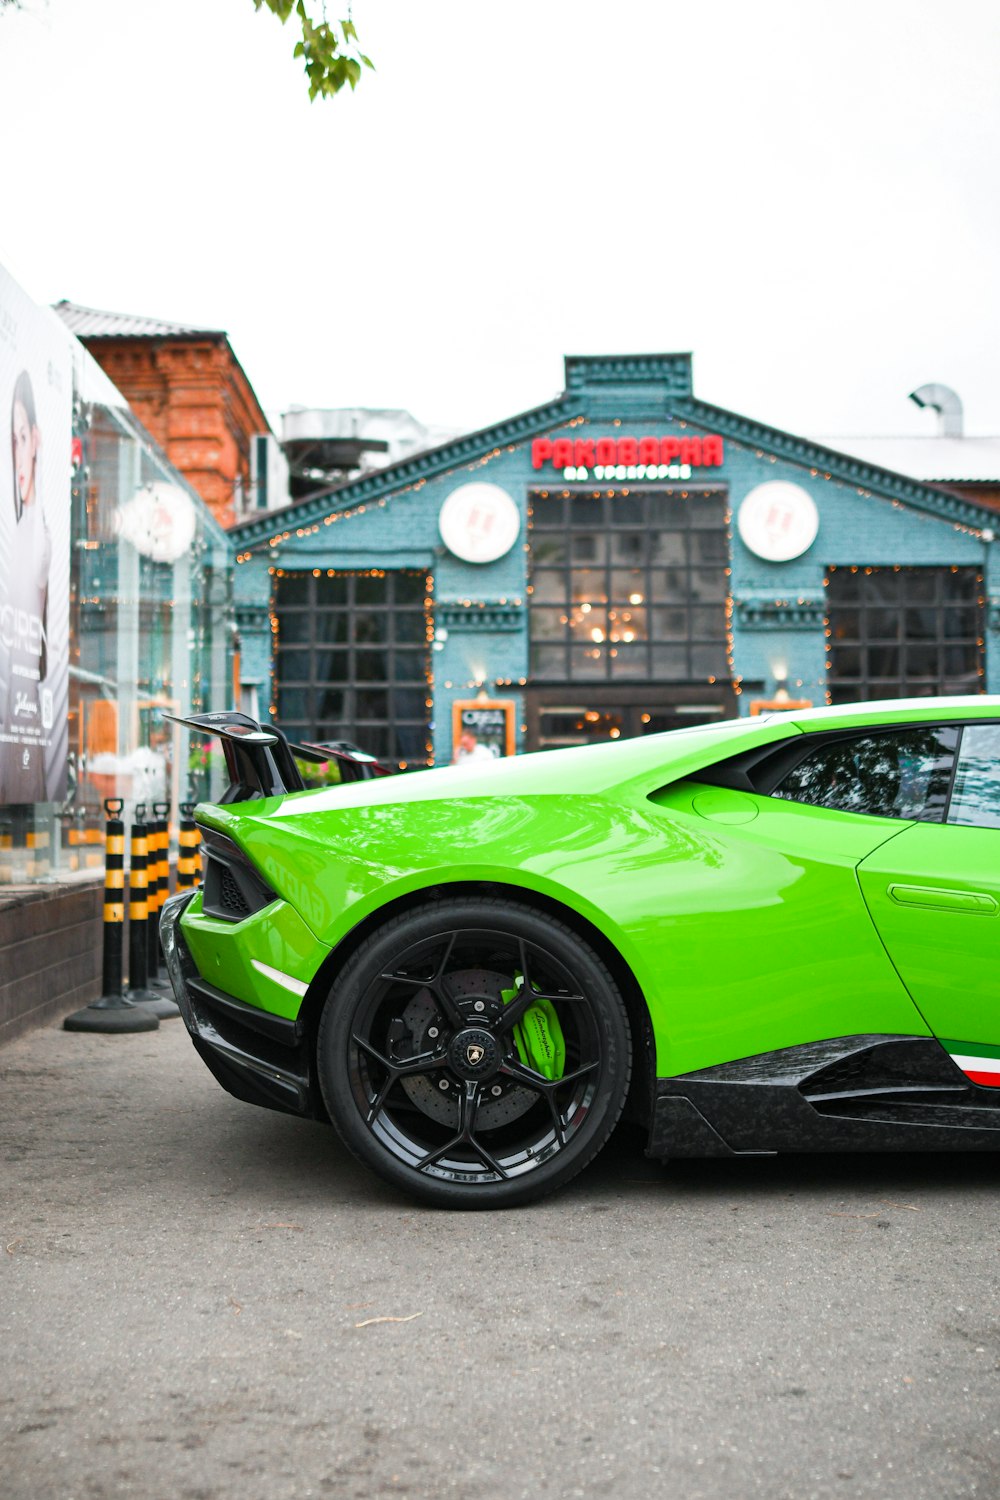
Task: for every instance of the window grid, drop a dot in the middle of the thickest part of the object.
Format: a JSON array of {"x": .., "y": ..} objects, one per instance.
[
  {"x": 629, "y": 585},
  {"x": 353, "y": 660},
  {"x": 900, "y": 632}
]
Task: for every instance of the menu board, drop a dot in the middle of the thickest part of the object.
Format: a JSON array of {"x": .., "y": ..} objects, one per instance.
[{"x": 482, "y": 729}]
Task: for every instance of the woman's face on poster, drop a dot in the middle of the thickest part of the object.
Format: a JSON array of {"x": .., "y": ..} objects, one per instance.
[{"x": 25, "y": 438}]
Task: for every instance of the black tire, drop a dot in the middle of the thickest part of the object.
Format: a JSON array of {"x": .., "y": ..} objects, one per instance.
[{"x": 421, "y": 1053}]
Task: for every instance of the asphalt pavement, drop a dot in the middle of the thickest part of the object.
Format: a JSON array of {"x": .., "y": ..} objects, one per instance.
[{"x": 201, "y": 1299}]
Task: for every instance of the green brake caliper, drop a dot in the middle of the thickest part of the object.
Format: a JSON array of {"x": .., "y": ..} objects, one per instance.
[{"x": 538, "y": 1035}]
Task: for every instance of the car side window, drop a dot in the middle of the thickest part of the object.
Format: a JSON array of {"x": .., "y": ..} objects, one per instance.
[
  {"x": 896, "y": 774},
  {"x": 975, "y": 798}
]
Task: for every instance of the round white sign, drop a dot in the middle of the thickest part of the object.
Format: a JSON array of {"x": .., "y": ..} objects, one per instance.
[
  {"x": 479, "y": 522},
  {"x": 159, "y": 521},
  {"x": 778, "y": 520}
]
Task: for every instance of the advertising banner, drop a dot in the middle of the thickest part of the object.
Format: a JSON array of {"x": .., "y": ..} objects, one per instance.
[{"x": 35, "y": 456}]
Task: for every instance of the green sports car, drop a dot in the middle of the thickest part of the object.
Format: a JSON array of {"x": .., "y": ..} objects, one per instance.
[{"x": 771, "y": 934}]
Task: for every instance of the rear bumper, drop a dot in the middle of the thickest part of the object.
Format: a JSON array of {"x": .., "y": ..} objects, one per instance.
[{"x": 258, "y": 1057}]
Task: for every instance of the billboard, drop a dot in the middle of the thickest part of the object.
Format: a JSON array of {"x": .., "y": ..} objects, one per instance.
[{"x": 36, "y": 407}]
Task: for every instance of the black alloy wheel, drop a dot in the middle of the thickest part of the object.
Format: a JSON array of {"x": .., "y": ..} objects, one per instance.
[{"x": 474, "y": 1052}]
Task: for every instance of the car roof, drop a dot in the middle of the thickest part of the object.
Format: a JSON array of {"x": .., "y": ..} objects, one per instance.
[{"x": 889, "y": 711}]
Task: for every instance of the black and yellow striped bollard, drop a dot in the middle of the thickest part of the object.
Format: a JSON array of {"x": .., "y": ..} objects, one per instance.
[
  {"x": 158, "y": 888},
  {"x": 140, "y": 863},
  {"x": 113, "y": 1012},
  {"x": 155, "y": 861},
  {"x": 187, "y": 849}
]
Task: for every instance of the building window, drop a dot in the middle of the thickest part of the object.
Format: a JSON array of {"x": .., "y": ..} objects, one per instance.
[
  {"x": 629, "y": 585},
  {"x": 352, "y": 661},
  {"x": 904, "y": 632}
]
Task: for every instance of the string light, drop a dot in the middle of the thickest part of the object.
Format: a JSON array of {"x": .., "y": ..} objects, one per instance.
[{"x": 482, "y": 607}]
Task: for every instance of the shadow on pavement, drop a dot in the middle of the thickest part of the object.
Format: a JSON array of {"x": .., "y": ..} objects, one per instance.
[{"x": 270, "y": 1152}]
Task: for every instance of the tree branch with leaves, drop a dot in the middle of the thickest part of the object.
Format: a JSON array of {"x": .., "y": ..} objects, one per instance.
[{"x": 329, "y": 50}]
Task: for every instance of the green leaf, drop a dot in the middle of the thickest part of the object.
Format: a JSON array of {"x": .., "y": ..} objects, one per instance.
[{"x": 329, "y": 60}]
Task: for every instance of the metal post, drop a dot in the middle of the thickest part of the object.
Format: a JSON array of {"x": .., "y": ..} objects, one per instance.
[{"x": 113, "y": 1012}]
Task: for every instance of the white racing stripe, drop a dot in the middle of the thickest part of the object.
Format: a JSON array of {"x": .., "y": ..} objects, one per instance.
[{"x": 285, "y": 980}]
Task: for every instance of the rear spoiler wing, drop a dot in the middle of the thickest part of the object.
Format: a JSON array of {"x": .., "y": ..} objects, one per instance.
[{"x": 260, "y": 762}]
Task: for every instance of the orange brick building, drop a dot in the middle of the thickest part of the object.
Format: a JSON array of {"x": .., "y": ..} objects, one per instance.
[{"x": 189, "y": 391}]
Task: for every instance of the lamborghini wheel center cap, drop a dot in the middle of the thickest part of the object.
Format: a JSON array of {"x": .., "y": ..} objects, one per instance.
[{"x": 473, "y": 1053}]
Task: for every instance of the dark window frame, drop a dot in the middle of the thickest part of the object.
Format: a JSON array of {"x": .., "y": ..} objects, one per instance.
[
  {"x": 762, "y": 769},
  {"x": 876, "y": 734},
  {"x": 381, "y": 734},
  {"x": 644, "y": 658},
  {"x": 870, "y": 637},
  {"x": 973, "y": 724}
]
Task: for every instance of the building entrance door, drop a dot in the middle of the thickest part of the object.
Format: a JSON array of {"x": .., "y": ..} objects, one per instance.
[{"x": 560, "y": 716}]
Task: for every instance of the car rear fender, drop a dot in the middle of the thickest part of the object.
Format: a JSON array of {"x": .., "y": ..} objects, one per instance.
[{"x": 597, "y": 937}]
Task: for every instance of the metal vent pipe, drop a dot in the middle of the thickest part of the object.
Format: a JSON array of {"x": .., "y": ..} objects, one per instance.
[{"x": 946, "y": 402}]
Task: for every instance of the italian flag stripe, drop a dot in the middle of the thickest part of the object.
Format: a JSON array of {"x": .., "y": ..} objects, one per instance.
[
  {"x": 983, "y": 1070},
  {"x": 971, "y": 1049}
]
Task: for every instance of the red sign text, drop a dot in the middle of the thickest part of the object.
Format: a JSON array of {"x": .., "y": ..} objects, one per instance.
[{"x": 587, "y": 453}]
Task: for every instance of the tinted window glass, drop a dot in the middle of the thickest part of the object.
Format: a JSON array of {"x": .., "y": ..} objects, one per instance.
[
  {"x": 902, "y": 774},
  {"x": 975, "y": 800}
]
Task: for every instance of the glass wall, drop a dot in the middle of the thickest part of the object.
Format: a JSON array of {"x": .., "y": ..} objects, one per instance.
[{"x": 150, "y": 631}]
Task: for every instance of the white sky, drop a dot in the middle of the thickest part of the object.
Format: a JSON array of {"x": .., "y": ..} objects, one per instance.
[{"x": 803, "y": 194}]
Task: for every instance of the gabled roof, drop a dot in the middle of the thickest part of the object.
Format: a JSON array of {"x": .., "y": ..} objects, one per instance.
[
  {"x": 934, "y": 458},
  {"x": 585, "y": 375},
  {"x": 92, "y": 323},
  {"x": 849, "y": 470}
]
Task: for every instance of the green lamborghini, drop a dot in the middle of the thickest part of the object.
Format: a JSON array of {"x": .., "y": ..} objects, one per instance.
[{"x": 771, "y": 934}]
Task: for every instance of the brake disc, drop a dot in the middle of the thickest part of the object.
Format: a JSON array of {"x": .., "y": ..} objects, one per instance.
[{"x": 424, "y": 1089}]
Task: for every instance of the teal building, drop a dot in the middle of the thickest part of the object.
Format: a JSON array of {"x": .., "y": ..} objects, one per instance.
[{"x": 625, "y": 559}]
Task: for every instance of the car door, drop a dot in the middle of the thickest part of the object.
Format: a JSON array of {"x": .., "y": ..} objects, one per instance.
[
  {"x": 763, "y": 938},
  {"x": 934, "y": 895}
]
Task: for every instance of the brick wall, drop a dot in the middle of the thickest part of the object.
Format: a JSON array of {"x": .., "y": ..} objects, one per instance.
[
  {"x": 192, "y": 396},
  {"x": 50, "y": 954}
]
